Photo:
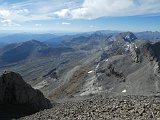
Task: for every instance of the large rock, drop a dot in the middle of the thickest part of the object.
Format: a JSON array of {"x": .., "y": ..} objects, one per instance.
[
  {"x": 15, "y": 91},
  {"x": 151, "y": 51},
  {"x": 134, "y": 52}
]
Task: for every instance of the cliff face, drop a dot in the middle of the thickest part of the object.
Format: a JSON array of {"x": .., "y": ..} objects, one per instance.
[
  {"x": 16, "y": 93},
  {"x": 147, "y": 52},
  {"x": 151, "y": 51}
]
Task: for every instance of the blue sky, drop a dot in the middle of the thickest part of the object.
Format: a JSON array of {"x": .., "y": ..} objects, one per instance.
[{"x": 79, "y": 15}]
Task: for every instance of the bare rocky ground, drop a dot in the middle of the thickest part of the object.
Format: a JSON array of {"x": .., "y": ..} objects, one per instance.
[
  {"x": 101, "y": 107},
  {"x": 120, "y": 67}
]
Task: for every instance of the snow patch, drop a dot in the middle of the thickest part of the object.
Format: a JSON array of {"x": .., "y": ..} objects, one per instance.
[
  {"x": 124, "y": 91},
  {"x": 90, "y": 72},
  {"x": 97, "y": 66},
  {"x": 135, "y": 46},
  {"x": 41, "y": 85},
  {"x": 130, "y": 46},
  {"x": 127, "y": 37},
  {"x": 107, "y": 60}
]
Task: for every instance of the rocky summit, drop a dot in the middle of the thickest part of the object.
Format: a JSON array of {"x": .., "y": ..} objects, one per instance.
[{"x": 18, "y": 98}]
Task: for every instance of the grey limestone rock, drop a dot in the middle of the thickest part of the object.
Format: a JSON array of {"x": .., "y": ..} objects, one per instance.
[{"x": 15, "y": 91}]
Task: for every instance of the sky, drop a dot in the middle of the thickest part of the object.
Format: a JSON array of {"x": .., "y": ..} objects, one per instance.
[{"x": 79, "y": 15}]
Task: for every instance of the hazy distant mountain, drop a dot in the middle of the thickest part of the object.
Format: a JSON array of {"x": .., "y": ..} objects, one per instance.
[
  {"x": 21, "y": 37},
  {"x": 54, "y": 39},
  {"x": 58, "y": 41},
  {"x": 2, "y": 44},
  {"x": 87, "y": 42},
  {"x": 107, "y": 32},
  {"x": 148, "y": 35},
  {"x": 27, "y": 50},
  {"x": 3, "y": 34},
  {"x": 20, "y": 51},
  {"x": 79, "y": 38}
]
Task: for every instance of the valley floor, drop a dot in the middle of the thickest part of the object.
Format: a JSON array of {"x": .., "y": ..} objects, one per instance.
[{"x": 101, "y": 107}]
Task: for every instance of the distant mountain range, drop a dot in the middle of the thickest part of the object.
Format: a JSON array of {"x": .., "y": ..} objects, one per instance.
[
  {"x": 28, "y": 50},
  {"x": 21, "y": 37},
  {"x": 148, "y": 35},
  {"x": 53, "y": 39},
  {"x": 49, "y": 44}
]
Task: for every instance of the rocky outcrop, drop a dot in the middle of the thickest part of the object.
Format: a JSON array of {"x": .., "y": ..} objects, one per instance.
[
  {"x": 147, "y": 51},
  {"x": 134, "y": 52},
  {"x": 151, "y": 51},
  {"x": 104, "y": 56},
  {"x": 110, "y": 71},
  {"x": 15, "y": 91}
]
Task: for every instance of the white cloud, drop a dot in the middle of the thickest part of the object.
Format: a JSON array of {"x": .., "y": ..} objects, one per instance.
[
  {"x": 64, "y": 13},
  {"x": 92, "y": 9},
  {"x": 4, "y": 13},
  {"x": 5, "y": 21},
  {"x": 38, "y": 25},
  {"x": 92, "y": 26},
  {"x": 65, "y": 23},
  {"x": 22, "y": 11},
  {"x": 76, "y": 9},
  {"x": 9, "y": 23},
  {"x": 35, "y": 9}
]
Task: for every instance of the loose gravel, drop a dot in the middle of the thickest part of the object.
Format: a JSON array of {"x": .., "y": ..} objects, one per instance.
[{"x": 103, "y": 108}]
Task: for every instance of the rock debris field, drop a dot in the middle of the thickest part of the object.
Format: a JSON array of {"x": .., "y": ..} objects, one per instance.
[{"x": 103, "y": 108}]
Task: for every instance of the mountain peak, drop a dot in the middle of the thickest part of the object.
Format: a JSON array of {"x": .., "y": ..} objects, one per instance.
[
  {"x": 128, "y": 36},
  {"x": 35, "y": 42}
]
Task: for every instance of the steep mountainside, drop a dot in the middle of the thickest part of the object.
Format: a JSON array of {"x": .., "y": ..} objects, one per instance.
[
  {"x": 136, "y": 72},
  {"x": 149, "y": 36},
  {"x": 126, "y": 66},
  {"x": 28, "y": 50}
]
